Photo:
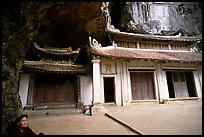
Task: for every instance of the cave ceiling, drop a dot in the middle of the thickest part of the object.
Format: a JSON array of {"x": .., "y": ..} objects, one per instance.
[{"x": 69, "y": 24}]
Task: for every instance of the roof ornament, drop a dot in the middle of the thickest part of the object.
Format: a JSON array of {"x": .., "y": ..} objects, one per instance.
[
  {"x": 178, "y": 35},
  {"x": 111, "y": 27},
  {"x": 114, "y": 44},
  {"x": 195, "y": 46},
  {"x": 70, "y": 62},
  {"x": 94, "y": 43},
  {"x": 194, "y": 49},
  {"x": 36, "y": 45},
  {"x": 105, "y": 11}
]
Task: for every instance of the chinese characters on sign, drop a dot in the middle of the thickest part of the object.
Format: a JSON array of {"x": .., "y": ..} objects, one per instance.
[{"x": 108, "y": 68}]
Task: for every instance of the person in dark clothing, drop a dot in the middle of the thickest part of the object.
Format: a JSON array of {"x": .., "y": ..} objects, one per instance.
[{"x": 20, "y": 127}]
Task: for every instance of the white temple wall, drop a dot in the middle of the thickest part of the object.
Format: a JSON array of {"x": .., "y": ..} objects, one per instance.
[
  {"x": 199, "y": 70},
  {"x": 86, "y": 90},
  {"x": 197, "y": 84},
  {"x": 23, "y": 88}
]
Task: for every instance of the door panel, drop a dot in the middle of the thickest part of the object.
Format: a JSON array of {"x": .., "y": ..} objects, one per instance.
[
  {"x": 179, "y": 83},
  {"x": 48, "y": 89},
  {"x": 71, "y": 93},
  {"x": 142, "y": 85},
  {"x": 39, "y": 94}
]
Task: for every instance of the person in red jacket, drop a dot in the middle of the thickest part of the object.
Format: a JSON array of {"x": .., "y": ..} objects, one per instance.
[{"x": 20, "y": 127}]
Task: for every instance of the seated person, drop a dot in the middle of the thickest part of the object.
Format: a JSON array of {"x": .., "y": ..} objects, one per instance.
[{"x": 20, "y": 127}]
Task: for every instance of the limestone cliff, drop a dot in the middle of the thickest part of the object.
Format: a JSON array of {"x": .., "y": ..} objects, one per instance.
[{"x": 163, "y": 18}]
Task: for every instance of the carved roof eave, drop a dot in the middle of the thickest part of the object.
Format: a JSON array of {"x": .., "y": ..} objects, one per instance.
[
  {"x": 61, "y": 52},
  {"x": 44, "y": 67},
  {"x": 118, "y": 33},
  {"x": 114, "y": 52}
]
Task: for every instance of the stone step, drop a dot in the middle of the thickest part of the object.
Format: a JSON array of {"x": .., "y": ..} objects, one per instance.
[
  {"x": 55, "y": 106},
  {"x": 49, "y": 112}
]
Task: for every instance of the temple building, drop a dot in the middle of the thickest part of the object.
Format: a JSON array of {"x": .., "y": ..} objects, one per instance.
[
  {"x": 136, "y": 67},
  {"x": 140, "y": 67},
  {"x": 54, "y": 81}
]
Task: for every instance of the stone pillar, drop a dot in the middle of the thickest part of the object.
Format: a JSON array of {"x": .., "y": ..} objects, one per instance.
[
  {"x": 156, "y": 86},
  {"x": 162, "y": 83},
  {"x": 97, "y": 107},
  {"x": 96, "y": 82},
  {"x": 124, "y": 83},
  {"x": 118, "y": 84}
]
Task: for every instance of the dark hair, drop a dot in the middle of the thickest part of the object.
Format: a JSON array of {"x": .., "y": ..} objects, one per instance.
[{"x": 20, "y": 117}]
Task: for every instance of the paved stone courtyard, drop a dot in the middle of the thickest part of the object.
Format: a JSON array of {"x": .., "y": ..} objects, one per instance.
[{"x": 175, "y": 118}]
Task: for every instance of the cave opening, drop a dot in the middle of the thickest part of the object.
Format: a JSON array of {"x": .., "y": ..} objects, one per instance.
[{"x": 116, "y": 12}]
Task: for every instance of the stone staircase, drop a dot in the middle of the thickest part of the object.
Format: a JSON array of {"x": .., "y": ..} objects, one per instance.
[{"x": 54, "y": 110}]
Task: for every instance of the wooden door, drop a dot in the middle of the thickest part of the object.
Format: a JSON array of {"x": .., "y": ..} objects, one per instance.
[
  {"x": 142, "y": 85},
  {"x": 54, "y": 89},
  {"x": 179, "y": 84}
]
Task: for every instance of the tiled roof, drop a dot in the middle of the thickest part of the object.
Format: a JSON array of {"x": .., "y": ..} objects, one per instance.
[
  {"x": 56, "y": 53},
  {"x": 118, "y": 35},
  {"x": 131, "y": 53},
  {"x": 43, "y": 67}
]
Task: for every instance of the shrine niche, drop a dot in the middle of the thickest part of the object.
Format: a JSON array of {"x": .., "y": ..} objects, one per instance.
[{"x": 108, "y": 68}]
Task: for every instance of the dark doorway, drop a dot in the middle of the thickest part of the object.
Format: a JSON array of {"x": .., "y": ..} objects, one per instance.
[
  {"x": 181, "y": 84},
  {"x": 109, "y": 90},
  {"x": 170, "y": 85},
  {"x": 190, "y": 84}
]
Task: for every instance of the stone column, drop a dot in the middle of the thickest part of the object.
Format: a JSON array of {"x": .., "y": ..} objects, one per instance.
[
  {"x": 162, "y": 83},
  {"x": 124, "y": 80},
  {"x": 96, "y": 89},
  {"x": 96, "y": 82},
  {"x": 156, "y": 86}
]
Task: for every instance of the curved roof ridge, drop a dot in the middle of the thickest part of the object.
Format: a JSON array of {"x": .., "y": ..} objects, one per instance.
[
  {"x": 112, "y": 30},
  {"x": 54, "y": 51},
  {"x": 131, "y": 54}
]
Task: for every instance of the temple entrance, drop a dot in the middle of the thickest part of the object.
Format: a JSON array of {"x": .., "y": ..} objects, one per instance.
[
  {"x": 142, "y": 85},
  {"x": 109, "y": 89},
  {"x": 54, "y": 89},
  {"x": 181, "y": 84}
]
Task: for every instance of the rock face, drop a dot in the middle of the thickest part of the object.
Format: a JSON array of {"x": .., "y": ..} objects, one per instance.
[
  {"x": 157, "y": 17},
  {"x": 19, "y": 22}
]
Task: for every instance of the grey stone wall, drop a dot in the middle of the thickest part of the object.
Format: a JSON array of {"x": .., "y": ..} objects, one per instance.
[{"x": 159, "y": 17}]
